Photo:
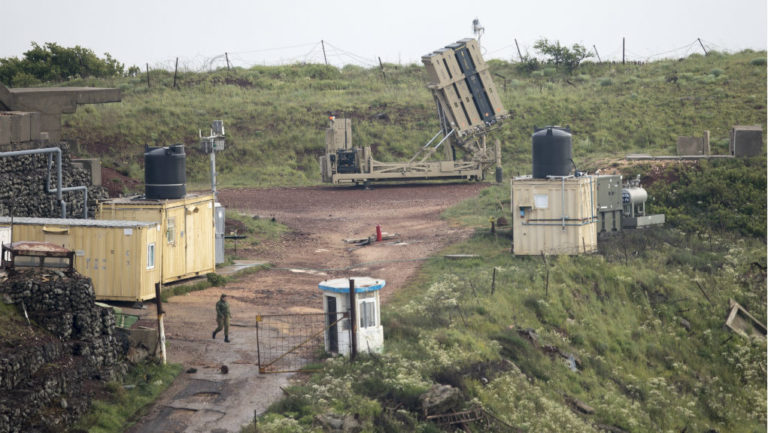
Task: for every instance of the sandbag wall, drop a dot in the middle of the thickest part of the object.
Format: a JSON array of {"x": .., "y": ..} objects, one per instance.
[
  {"x": 22, "y": 186},
  {"x": 46, "y": 378}
]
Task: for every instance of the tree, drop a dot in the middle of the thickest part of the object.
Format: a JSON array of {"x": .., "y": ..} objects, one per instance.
[
  {"x": 560, "y": 55},
  {"x": 52, "y": 62}
]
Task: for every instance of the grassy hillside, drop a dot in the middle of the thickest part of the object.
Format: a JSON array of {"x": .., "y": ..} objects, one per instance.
[
  {"x": 276, "y": 116},
  {"x": 635, "y": 333}
]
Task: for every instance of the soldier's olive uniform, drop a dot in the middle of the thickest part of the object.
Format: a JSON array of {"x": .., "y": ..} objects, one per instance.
[{"x": 222, "y": 318}]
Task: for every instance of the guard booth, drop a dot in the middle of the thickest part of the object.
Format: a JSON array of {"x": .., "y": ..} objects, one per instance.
[{"x": 370, "y": 333}]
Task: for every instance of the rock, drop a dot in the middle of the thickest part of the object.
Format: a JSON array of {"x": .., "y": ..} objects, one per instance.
[
  {"x": 685, "y": 324},
  {"x": 578, "y": 405},
  {"x": 49, "y": 371},
  {"x": 440, "y": 399},
  {"x": 330, "y": 421},
  {"x": 351, "y": 424}
]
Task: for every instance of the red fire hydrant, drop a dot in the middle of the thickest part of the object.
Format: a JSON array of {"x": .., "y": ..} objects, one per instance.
[{"x": 378, "y": 232}]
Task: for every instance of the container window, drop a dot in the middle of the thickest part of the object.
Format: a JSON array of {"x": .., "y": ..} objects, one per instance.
[
  {"x": 170, "y": 232},
  {"x": 151, "y": 256},
  {"x": 541, "y": 201},
  {"x": 367, "y": 314}
]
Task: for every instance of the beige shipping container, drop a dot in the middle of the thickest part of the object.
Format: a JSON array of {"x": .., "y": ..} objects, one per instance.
[
  {"x": 120, "y": 257},
  {"x": 187, "y": 229},
  {"x": 554, "y": 216}
]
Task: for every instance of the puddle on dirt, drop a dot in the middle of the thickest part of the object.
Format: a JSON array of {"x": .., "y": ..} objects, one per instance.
[
  {"x": 179, "y": 414},
  {"x": 204, "y": 397}
]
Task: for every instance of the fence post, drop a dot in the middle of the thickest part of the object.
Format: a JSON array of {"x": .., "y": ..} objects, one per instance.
[
  {"x": 493, "y": 282},
  {"x": 148, "y": 84},
  {"x": 353, "y": 319},
  {"x": 175, "y": 72},
  {"x": 623, "y": 51},
  {"x": 258, "y": 346},
  {"x": 160, "y": 314}
]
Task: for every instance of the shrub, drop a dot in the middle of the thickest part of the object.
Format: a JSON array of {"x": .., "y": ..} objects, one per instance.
[{"x": 760, "y": 61}]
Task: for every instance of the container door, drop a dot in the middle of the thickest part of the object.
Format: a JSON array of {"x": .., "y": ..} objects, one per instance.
[{"x": 190, "y": 240}]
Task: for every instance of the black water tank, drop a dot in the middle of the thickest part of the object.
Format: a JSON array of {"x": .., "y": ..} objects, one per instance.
[
  {"x": 165, "y": 172},
  {"x": 552, "y": 152}
]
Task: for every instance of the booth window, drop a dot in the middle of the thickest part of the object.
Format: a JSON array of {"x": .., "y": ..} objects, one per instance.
[
  {"x": 367, "y": 314},
  {"x": 151, "y": 256}
]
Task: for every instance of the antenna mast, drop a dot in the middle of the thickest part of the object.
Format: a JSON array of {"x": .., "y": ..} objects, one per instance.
[{"x": 478, "y": 30}]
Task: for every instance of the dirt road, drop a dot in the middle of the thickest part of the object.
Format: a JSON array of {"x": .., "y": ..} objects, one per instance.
[{"x": 320, "y": 219}]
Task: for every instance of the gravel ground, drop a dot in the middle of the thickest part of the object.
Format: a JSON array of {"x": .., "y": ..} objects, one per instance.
[{"x": 320, "y": 218}]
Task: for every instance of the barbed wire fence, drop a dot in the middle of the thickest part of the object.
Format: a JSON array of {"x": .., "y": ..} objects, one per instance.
[{"x": 325, "y": 52}]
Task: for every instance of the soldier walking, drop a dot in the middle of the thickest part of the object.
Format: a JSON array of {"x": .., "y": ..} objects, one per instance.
[{"x": 222, "y": 317}]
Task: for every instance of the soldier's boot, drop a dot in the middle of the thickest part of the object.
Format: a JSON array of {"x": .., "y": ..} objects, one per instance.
[
  {"x": 226, "y": 339},
  {"x": 214, "y": 335}
]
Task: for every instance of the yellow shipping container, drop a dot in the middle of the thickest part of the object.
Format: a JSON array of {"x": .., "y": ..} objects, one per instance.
[
  {"x": 186, "y": 224},
  {"x": 554, "y": 216},
  {"x": 120, "y": 257}
]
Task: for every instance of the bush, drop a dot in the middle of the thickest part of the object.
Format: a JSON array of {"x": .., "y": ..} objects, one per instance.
[{"x": 760, "y": 61}]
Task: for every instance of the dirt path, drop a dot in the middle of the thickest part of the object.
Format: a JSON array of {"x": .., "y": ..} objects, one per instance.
[{"x": 320, "y": 219}]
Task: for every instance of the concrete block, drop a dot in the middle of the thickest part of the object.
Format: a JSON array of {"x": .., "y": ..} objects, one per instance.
[
  {"x": 92, "y": 166},
  {"x": 693, "y": 145},
  {"x": 746, "y": 141},
  {"x": 34, "y": 125},
  {"x": 5, "y": 129},
  {"x": 20, "y": 126}
]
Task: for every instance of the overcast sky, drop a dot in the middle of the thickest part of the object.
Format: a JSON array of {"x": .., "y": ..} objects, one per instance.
[{"x": 284, "y": 31}]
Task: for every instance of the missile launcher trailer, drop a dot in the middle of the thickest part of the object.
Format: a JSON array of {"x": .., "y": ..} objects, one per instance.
[{"x": 468, "y": 108}]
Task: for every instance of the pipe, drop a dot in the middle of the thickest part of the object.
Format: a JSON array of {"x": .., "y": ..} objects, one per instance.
[
  {"x": 562, "y": 200},
  {"x": 66, "y": 189},
  {"x": 47, "y": 150}
]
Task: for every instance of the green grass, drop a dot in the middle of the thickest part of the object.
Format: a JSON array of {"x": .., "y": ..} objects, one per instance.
[
  {"x": 276, "y": 116},
  {"x": 212, "y": 279},
  {"x": 255, "y": 229},
  {"x": 123, "y": 405},
  {"x": 652, "y": 351}
]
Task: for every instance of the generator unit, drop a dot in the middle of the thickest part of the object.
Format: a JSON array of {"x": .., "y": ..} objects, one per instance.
[
  {"x": 633, "y": 198},
  {"x": 468, "y": 108}
]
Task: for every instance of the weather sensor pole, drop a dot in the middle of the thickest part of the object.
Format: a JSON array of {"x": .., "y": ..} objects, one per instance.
[
  {"x": 212, "y": 144},
  {"x": 478, "y": 30}
]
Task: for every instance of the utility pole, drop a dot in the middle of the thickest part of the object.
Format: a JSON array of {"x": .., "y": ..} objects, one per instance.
[
  {"x": 702, "y": 46},
  {"x": 519, "y": 54},
  {"x": 322, "y": 42},
  {"x": 623, "y": 51},
  {"x": 148, "y": 85},
  {"x": 226, "y": 56},
  {"x": 597, "y": 54}
]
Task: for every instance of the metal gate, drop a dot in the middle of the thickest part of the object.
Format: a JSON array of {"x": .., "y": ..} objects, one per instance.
[{"x": 291, "y": 342}]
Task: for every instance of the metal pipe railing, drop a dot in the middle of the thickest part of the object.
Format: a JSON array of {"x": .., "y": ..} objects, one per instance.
[
  {"x": 59, "y": 189},
  {"x": 84, "y": 189}
]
